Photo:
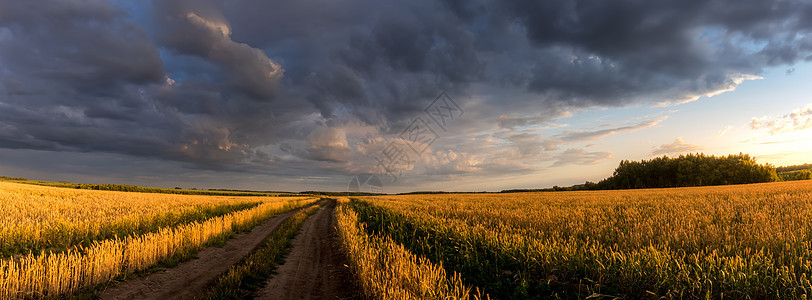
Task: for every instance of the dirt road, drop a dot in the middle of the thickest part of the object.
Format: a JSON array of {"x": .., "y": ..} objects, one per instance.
[
  {"x": 315, "y": 268},
  {"x": 189, "y": 279}
]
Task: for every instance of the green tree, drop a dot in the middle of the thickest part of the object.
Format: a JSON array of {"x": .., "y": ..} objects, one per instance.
[
  {"x": 804, "y": 175},
  {"x": 689, "y": 170}
]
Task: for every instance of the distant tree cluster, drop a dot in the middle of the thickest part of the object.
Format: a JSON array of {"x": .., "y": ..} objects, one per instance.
[
  {"x": 803, "y": 175},
  {"x": 797, "y": 172},
  {"x": 794, "y": 168},
  {"x": 141, "y": 189},
  {"x": 689, "y": 170},
  {"x": 425, "y": 193},
  {"x": 586, "y": 186}
]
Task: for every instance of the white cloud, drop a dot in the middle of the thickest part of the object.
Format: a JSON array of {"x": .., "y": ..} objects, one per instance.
[
  {"x": 220, "y": 27},
  {"x": 513, "y": 121},
  {"x": 528, "y": 148},
  {"x": 580, "y": 157},
  {"x": 729, "y": 84},
  {"x": 450, "y": 162},
  {"x": 380, "y": 155},
  {"x": 581, "y": 135},
  {"x": 328, "y": 144},
  {"x": 679, "y": 146},
  {"x": 529, "y": 145},
  {"x": 724, "y": 130},
  {"x": 799, "y": 119}
]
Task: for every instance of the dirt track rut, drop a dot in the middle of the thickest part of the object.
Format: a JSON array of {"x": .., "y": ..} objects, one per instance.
[
  {"x": 315, "y": 267},
  {"x": 189, "y": 279}
]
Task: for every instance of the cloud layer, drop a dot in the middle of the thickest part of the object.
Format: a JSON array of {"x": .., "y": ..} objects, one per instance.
[{"x": 263, "y": 86}]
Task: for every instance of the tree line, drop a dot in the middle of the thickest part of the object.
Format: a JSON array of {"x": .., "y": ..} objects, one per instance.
[
  {"x": 689, "y": 170},
  {"x": 794, "y": 168},
  {"x": 797, "y": 172},
  {"x": 142, "y": 189}
]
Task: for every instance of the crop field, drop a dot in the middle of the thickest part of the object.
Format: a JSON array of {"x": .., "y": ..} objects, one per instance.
[
  {"x": 57, "y": 241},
  {"x": 740, "y": 241},
  {"x": 743, "y": 241},
  {"x": 37, "y": 217}
]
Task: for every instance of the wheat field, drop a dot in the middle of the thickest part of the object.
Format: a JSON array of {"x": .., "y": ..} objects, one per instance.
[
  {"x": 386, "y": 270},
  {"x": 743, "y": 241},
  {"x": 36, "y": 215}
]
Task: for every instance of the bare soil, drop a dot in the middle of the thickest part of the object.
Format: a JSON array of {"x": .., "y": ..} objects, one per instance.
[
  {"x": 315, "y": 268},
  {"x": 188, "y": 280}
]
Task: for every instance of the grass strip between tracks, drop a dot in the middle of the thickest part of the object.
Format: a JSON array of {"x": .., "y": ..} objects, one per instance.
[{"x": 242, "y": 279}]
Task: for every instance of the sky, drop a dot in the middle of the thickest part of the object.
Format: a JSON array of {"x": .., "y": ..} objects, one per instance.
[{"x": 428, "y": 95}]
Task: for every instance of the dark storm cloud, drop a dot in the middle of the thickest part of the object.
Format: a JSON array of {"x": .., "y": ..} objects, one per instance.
[
  {"x": 198, "y": 28},
  {"x": 68, "y": 72},
  {"x": 245, "y": 83},
  {"x": 80, "y": 76},
  {"x": 626, "y": 50},
  {"x": 74, "y": 46}
]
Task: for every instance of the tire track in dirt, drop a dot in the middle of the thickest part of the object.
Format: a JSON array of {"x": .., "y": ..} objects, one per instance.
[
  {"x": 189, "y": 279},
  {"x": 315, "y": 268}
]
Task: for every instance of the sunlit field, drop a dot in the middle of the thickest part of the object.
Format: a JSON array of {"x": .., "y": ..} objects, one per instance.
[
  {"x": 706, "y": 242},
  {"x": 724, "y": 241},
  {"x": 36, "y": 217},
  {"x": 58, "y": 241}
]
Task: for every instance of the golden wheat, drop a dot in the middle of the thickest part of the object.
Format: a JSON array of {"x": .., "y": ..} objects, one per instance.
[
  {"x": 38, "y": 217},
  {"x": 386, "y": 270},
  {"x": 747, "y": 240},
  {"x": 48, "y": 273}
]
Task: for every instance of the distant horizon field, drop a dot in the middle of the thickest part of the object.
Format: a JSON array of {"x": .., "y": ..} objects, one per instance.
[{"x": 242, "y": 192}]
